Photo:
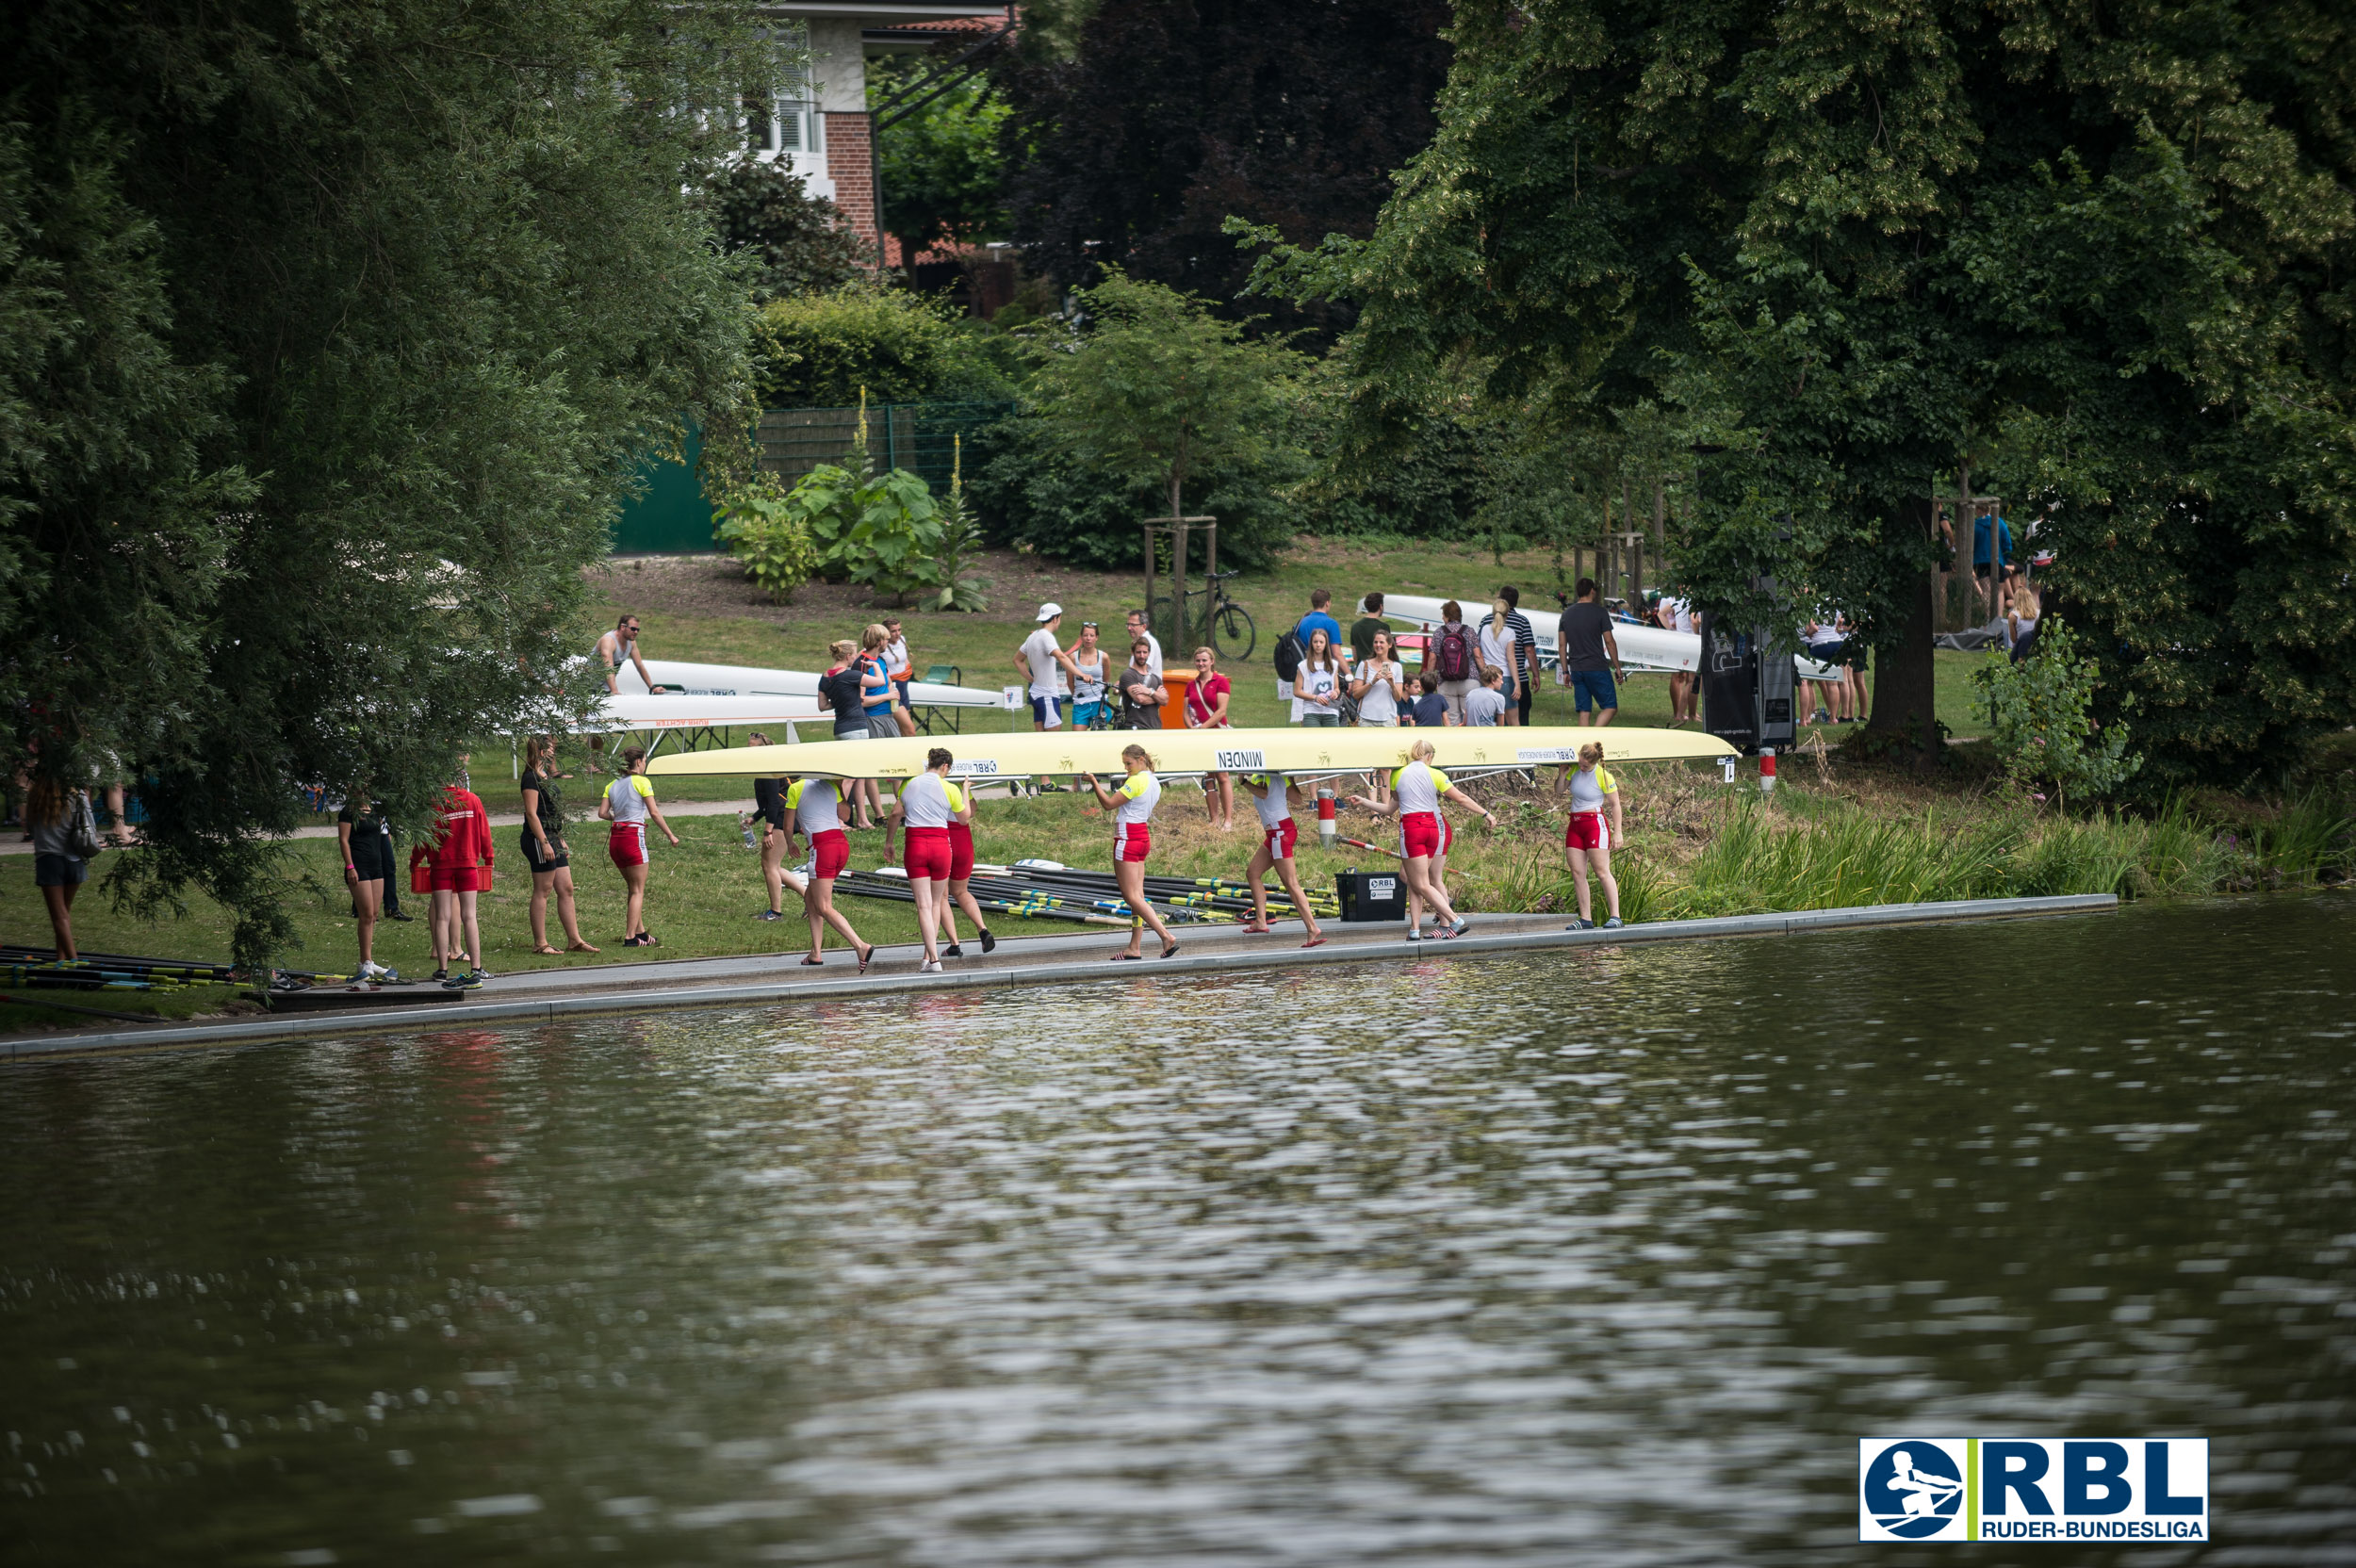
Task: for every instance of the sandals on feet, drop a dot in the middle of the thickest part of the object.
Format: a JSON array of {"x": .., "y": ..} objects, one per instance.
[
  {"x": 813, "y": 963},
  {"x": 1315, "y": 942},
  {"x": 865, "y": 954},
  {"x": 546, "y": 950},
  {"x": 1171, "y": 952}
]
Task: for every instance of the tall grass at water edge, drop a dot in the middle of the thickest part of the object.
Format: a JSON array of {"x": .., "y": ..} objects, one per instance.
[{"x": 1760, "y": 860}]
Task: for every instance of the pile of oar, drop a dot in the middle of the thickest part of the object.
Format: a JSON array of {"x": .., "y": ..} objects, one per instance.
[
  {"x": 1042, "y": 889},
  {"x": 40, "y": 969}
]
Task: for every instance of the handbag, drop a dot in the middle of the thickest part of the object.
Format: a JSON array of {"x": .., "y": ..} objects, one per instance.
[{"x": 81, "y": 836}]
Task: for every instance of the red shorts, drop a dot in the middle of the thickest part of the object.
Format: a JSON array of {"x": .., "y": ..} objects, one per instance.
[
  {"x": 1585, "y": 832},
  {"x": 927, "y": 853},
  {"x": 627, "y": 844},
  {"x": 456, "y": 879},
  {"x": 960, "y": 852},
  {"x": 1419, "y": 834},
  {"x": 1135, "y": 844},
  {"x": 833, "y": 849},
  {"x": 1281, "y": 837}
]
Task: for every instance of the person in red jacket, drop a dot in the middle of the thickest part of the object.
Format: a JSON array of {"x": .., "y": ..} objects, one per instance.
[{"x": 461, "y": 858}]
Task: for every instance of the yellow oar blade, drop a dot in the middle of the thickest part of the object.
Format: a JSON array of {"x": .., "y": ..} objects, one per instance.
[{"x": 1065, "y": 752}]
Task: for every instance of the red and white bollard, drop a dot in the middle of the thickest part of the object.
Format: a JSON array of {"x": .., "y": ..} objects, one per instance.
[
  {"x": 1766, "y": 770},
  {"x": 1325, "y": 815}
]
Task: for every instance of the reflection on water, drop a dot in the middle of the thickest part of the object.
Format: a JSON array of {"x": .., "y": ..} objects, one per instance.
[{"x": 1605, "y": 1257}]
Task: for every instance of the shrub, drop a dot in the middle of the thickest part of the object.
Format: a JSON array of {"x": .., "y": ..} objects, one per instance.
[
  {"x": 2041, "y": 719},
  {"x": 800, "y": 243},
  {"x": 820, "y": 351},
  {"x": 761, "y": 528}
]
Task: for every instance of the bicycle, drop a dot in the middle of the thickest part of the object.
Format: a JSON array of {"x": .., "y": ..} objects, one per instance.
[{"x": 1234, "y": 636}]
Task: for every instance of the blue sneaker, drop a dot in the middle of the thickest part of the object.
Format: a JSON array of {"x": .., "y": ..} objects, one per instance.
[{"x": 1611, "y": 925}]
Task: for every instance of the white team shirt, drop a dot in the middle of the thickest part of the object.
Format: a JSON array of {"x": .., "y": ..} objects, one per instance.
[
  {"x": 1418, "y": 786},
  {"x": 1139, "y": 794},
  {"x": 924, "y": 802},
  {"x": 813, "y": 802},
  {"x": 628, "y": 796},
  {"x": 1274, "y": 809}
]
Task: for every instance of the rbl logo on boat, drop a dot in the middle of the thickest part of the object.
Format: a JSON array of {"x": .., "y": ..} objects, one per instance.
[{"x": 2033, "y": 1489}]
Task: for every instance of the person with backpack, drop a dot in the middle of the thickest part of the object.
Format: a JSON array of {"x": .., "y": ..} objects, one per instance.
[{"x": 1456, "y": 660}]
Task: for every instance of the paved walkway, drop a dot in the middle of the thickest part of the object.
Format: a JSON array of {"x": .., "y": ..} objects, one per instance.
[{"x": 543, "y": 996}]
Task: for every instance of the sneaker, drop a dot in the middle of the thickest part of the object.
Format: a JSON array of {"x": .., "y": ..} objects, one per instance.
[
  {"x": 990, "y": 942},
  {"x": 441, "y": 974},
  {"x": 373, "y": 971},
  {"x": 1414, "y": 934},
  {"x": 930, "y": 966},
  {"x": 1611, "y": 925},
  {"x": 769, "y": 914},
  {"x": 404, "y": 919},
  {"x": 953, "y": 951},
  {"x": 1586, "y": 925}
]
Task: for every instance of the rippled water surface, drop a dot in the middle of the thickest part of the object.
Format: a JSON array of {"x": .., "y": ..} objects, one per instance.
[{"x": 1606, "y": 1258}]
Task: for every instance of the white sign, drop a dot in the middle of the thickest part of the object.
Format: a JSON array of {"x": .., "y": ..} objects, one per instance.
[
  {"x": 1014, "y": 699},
  {"x": 985, "y": 767},
  {"x": 1241, "y": 762},
  {"x": 1546, "y": 754}
]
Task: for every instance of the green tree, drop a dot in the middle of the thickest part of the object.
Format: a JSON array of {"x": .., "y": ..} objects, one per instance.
[
  {"x": 796, "y": 243},
  {"x": 2041, "y": 720},
  {"x": 331, "y": 338},
  {"x": 2101, "y": 256},
  {"x": 1161, "y": 391},
  {"x": 943, "y": 166}
]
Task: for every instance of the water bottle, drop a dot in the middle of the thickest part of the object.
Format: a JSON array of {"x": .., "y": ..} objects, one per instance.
[{"x": 744, "y": 825}]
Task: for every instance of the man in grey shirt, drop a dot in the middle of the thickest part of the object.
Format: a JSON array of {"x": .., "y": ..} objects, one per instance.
[{"x": 1590, "y": 657}]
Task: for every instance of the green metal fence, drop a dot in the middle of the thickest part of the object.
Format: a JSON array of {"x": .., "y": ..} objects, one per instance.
[{"x": 920, "y": 437}]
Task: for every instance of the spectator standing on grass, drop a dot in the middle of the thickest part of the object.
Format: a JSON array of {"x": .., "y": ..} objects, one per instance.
[
  {"x": 1378, "y": 682},
  {"x": 617, "y": 647},
  {"x": 1140, "y": 689},
  {"x": 1822, "y": 636},
  {"x": 366, "y": 841},
  {"x": 1365, "y": 628},
  {"x": 1206, "y": 709},
  {"x": 1043, "y": 663},
  {"x": 1319, "y": 618},
  {"x": 1317, "y": 684},
  {"x": 546, "y": 850},
  {"x": 1485, "y": 706},
  {"x": 896, "y": 669},
  {"x": 2021, "y": 623},
  {"x": 1677, "y": 615},
  {"x": 1991, "y": 550},
  {"x": 52, "y": 813},
  {"x": 841, "y": 690},
  {"x": 1091, "y": 671},
  {"x": 1525, "y": 653},
  {"x": 1501, "y": 657},
  {"x": 769, "y": 809},
  {"x": 878, "y": 699},
  {"x": 1138, "y": 628},
  {"x": 1455, "y": 657},
  {"x": 629, "y": 804},
  {"x": 1590, "y": 657},
  {"x": 1431, "y": 711}
]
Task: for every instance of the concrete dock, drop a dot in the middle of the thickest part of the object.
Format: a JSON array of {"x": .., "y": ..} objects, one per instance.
[{"x": 549, "y": 995}]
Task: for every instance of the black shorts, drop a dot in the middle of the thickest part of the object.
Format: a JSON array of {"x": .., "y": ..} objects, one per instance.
[
  {"x": 532, "y": 854},
  {"x": 60, "y": 871},
  {"x": 372, "y": 862}
]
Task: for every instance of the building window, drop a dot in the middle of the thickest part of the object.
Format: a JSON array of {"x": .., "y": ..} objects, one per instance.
[{"x": 789, "y": 124}]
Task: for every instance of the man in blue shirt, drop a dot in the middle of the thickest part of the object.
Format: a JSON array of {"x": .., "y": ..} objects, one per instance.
[
  {"x": 1318, "y": 620},
  {"x": 1982, "y": 527}
]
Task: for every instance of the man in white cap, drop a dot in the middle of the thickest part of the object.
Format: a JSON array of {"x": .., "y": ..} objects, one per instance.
[{"x": 1042, "y": 661}]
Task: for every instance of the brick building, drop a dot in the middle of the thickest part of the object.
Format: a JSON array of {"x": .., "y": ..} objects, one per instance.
[{"x": 822, "y": 127}]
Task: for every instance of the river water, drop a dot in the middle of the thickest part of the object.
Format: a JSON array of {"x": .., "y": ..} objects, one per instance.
[{"x": 1598, "y": 1258}]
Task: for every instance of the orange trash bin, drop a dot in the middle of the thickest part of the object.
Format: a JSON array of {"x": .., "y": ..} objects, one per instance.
[{"x": 1176, "y": 685}]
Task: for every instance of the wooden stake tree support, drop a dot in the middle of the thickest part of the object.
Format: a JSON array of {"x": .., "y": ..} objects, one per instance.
[{"x": 1175, "y": 634}]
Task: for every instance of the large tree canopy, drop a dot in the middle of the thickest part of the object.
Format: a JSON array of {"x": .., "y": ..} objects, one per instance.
[
  {"x": 1174, "y": 115},
  {"x": 2101, "y": 254},
  {"x": 329, "y": 335}
]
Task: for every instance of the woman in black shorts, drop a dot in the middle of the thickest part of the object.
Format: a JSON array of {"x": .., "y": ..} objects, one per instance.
[
  {"x": 545, "y": 850},
  {"x": 367, "y": 844}
]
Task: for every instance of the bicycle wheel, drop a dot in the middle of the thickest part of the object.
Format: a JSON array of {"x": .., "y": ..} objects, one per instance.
[{"x": 1232, "y": 634}]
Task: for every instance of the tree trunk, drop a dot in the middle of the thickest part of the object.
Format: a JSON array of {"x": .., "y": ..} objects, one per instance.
[{"x": 1906, "y": 694}]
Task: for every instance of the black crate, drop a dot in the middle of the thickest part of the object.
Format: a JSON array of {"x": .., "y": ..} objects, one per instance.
[{"x": 1372, "y": 896}]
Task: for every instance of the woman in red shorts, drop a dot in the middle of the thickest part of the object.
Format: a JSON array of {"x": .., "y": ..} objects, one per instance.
[
  {"x": 1417, "y": 791},
  {"x": 960, "y": 870},
  {"x": 1132, "y": 805},
  {"x": 1592, "y": 792},
  {"x": 629, "y": 804},
  {"x": 924, "y": 808},
  {"x": 814, "y": 808}
]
